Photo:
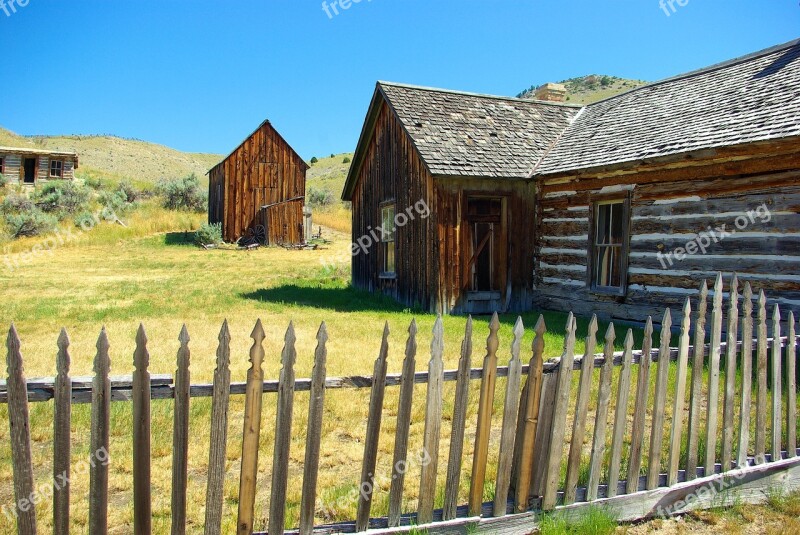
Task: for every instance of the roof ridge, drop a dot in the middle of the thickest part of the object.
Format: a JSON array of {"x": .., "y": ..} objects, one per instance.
[
  {"x": 705, "y": 70},
  {"x": 479, "y": 95}
]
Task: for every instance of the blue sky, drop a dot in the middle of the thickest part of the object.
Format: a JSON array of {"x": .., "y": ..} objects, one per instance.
[{"x": 201, "y": 75}]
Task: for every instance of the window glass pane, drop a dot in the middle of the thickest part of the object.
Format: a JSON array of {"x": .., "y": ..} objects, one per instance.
[
  {"x": 616, "y": 223},
  {"x": 603, "y": 224},
  {"x": 389, "y": 258},
  {"x": 387, "y": 223}
]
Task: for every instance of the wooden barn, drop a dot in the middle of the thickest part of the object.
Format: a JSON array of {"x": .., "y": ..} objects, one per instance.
[
  {"x": 29, "y": 166},
  {"x": 620, "y": 207},
  {"x": 258, "y": 190}
]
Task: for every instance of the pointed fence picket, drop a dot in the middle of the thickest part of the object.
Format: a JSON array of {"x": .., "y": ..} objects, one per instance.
[{"x": 528, "y": 437}]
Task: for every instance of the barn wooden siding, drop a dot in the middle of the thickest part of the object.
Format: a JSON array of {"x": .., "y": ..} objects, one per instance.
[
  {"x": 432, "y": 255},
  {"x": 393, "y": 170},
  {"x": 263, "y": 170},
  {"x": 12, "y": 166},
  {"x": 670, "y": 204}
]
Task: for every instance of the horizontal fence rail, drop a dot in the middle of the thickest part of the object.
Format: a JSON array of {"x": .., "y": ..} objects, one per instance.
[{"x": 661, "y": 429}]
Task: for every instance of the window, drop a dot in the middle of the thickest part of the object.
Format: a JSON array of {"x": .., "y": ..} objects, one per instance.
[
  {"x": 610, "y": 246},
  {"x": 387, "y": 238},
  {"x": 2, "y": 165},
  {"x": 56, "y": 168}
]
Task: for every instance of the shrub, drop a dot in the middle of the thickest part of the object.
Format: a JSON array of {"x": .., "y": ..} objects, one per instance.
[
  {"x": 30, "y": 223},
  {"x": 114, "y": 203},
  {"x": 131, "y": 193},
  {"x": 85, "y": 220},
  {"x": 184, "y": 194},
  {"x": 3, "y": 180},
  {"x": 93, "y": 182},
  {"x": 314, "y": 160},
  {"x": 15, "y": 204},
  {"x": 346, "y": 159},
  {"x": 61, "y": 197},
  {"x": 209, "y": 234},
  {"x": 319, "y": 197}
]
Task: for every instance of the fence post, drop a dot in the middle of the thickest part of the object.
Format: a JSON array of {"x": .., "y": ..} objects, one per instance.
[
  {"x": 180, "y": 434},
  {"x": 730, "y": 375},
  {"x": 555, "y": 449},
  {"x": 219, "y": 433},
  {"x": 659, "y": 403},
  {"x": 400, "y": 459},
  {"x": 510, "y": 413},
  {"x": 533, "y": 391},
  {"x": 640, "y": 410},
  {"x": 62, "y": 414},
  {"x": 142, "y": 517},
  {"x": 791, "y": 389},
  {"x": 680, "y": 396},
  {"x": 601, "y": 418},
  {"x": 761, "y": 394},
  {"x": 316, "y": 410},
  {"x": 697, "y": 382},
  {"x": 713, "y": 378},
  {"x": 367, "y": 486},
  {"x": 433, "y": 423},
  {"x": 747, "y": 376},
  {"x": 581, "y": 411},
  {"x": 283, "y": 434},
  {"x": 620, "y": 416},
  {"x": 101, "y": 411},
  {"x": 251, "y": 432},
  {"x": 484, "y": 426},
  {"x": 777, "y": 424},
  {"x": 19, "y": 422},
  {"x": 459, "y": 421}
]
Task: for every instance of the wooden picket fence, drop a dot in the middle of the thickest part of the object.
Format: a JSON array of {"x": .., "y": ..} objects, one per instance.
[{"x": 533, "y": 447}]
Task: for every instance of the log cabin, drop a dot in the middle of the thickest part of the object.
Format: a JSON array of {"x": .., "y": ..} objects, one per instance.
[
  {"x": 618, "y": 208},
  {"x": 31, "y": 166},
  {"x": 258, "y": 190}
]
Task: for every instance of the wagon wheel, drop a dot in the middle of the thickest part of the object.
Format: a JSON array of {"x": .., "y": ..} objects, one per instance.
[{"x": 260, "y": 234}]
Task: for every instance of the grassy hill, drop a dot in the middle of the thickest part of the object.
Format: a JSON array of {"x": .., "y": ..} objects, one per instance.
[
  {"x": 110, "y": 156},
  {"x": 591, "y": 88},
  {"x": 330, "y": 173}
]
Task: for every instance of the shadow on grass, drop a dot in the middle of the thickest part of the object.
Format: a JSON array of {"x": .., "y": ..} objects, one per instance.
[
  {"x": 179, "y": 238},
  {"x": 339, "y": 299}
]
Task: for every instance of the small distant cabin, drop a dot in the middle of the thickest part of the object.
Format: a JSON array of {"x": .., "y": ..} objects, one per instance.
[
  {"x": 29, "y": 166},
  {"x": 258, "y": 190}
]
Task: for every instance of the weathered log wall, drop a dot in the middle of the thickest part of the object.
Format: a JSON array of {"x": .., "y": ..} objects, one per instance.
[
  {"x": 263, "y": 170},
  {"x": 670, "y": 206},
  {"x": 12, "y": 167}
]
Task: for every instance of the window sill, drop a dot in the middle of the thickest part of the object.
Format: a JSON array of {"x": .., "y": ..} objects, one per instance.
[
  {"x": 387, "y": 276},
  {"x": 609, "y": 292}
]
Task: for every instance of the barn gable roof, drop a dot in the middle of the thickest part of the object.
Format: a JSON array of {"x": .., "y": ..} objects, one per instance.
[
  {"x": 468, "y": 134},
  {"x": 748, "y": 99},
  {"x": 262, "y": 125}
]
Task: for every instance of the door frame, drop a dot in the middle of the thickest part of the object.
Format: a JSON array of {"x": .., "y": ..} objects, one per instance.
[
  {"x": 25, "y": 170},
  {"x": 500, "y": 243}
]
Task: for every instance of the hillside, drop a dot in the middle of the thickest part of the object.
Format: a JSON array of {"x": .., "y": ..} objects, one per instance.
[
  {"x": 112, "y": 156},
  {"x": 329, "y": 174},
  {"x": 591, "y": 88}
]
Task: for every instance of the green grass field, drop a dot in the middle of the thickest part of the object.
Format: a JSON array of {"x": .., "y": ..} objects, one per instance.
[{"x": 149, "y": 273}]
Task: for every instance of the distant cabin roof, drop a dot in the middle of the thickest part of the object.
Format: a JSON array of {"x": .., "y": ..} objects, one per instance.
[
  {"x": 30, "y": 150},
  {"x": 748, "y": 99}
]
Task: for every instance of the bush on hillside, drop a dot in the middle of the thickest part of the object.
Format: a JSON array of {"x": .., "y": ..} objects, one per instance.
[
  {"x": 131, "y": 193},
  {"x": 319, "y": 197},
  {"x": 183, "y": 194},
  {"x": 115, "y": 204},
  {"x": 85, "y": 220},
  {"x": 346, "y": 159},
  {"x": 33, "y": 222},
  {"x": 62, "y": 197},
  {"x": 15, "y": 204},
  {"x": 314, "y": 160},
  {"x": 208, "y": 234}
]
